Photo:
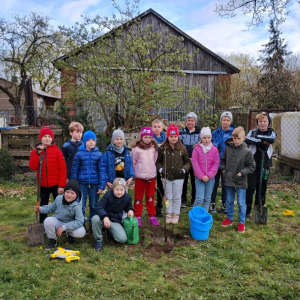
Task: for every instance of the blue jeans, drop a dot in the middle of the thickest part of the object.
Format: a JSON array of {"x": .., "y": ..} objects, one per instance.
[
  {"x": 203, "y": 192},
  {"x": 241, "y": 201},
  {"x": 215, "y": 190},
  {"x": 90, "y": 190}
]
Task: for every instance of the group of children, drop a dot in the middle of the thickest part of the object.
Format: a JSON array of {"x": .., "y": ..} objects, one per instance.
[{"x": 156, "y": 159}]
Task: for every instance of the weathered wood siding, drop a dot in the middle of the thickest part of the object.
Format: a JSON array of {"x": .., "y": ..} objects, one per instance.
[
  {"x": 207, "y": 84},
  {"x": 202, "y": 60}
]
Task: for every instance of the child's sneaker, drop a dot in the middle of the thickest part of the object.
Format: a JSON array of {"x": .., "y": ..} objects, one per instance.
[
  {"x": 213, "y": 208},
  {"x": 175, "y": 219},
  {"x": 226, "y": 222},
  {"x": 153, "y": 221},
  {"x": 224, "y": 208},
  {"x": 247, "y": 217},
  {"x": 168, "y": 218},
  {"x": 139, "y": 221},
  {"x": 51, "y": 244},
  {"x": 241, "y": 228},
  {"x": 98, "y": 245}
]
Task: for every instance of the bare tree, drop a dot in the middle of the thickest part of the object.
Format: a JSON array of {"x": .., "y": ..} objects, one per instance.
[
  {"x": 22, "y": 42},
  {"x": 256, "y": 9}
]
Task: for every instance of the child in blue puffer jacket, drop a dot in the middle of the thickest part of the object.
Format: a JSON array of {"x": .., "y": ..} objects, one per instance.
[
  {"x": 118, "y": 160},
  {"x": 219, "y": 137},
  {"x": 90, "y": 171}
]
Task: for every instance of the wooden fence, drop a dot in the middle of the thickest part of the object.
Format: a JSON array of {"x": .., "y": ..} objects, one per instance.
[{"x": 21, "y": 141}]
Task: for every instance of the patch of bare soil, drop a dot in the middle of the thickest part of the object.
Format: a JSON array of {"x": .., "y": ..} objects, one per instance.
[{"x": 153, "y": 243}]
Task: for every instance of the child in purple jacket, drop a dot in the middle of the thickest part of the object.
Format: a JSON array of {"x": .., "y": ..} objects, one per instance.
[{"x": 205, "y": 160}]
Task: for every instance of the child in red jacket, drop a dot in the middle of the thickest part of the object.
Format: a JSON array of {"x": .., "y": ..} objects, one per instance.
[{"x": 54, "y": 170}]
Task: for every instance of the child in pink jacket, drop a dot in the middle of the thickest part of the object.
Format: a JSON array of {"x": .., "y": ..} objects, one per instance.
[
  {"x": 144, "y": 156},
  {"x": 205, "y": 160}
]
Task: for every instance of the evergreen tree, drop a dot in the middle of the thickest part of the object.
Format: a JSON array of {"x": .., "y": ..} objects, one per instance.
[
  {"x": 276, "y": 85},
  {"x": 275, "y": 50}
]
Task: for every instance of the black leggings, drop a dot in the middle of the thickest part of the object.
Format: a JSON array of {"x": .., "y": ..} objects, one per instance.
[
  {"x": 159, "y": 191},
  {"x": 45, "y": 194},
  {"x": 253, "y": 187},
  {"x": 185, "y": 183}
]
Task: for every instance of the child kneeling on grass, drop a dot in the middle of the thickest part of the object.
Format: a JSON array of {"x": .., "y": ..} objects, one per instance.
[
  {"x": 109, "y": 213},
  {"x": 237, "y": 163},
  {"x": 68, "y": 215}
]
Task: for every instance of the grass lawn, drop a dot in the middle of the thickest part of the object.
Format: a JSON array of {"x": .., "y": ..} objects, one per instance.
[{"x": 262, "y": 263}]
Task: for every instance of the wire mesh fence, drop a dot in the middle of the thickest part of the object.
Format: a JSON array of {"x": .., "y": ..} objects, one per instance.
[{"x": 286, "y": 149}]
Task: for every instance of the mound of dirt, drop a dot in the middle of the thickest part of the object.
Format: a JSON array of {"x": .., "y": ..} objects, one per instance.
[{"x": 153, "y": 241}]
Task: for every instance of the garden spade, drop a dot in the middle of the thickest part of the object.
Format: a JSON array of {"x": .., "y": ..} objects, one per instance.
[
  {"x": 260, "y": 212},
  {"x": 36, "y": 230}
]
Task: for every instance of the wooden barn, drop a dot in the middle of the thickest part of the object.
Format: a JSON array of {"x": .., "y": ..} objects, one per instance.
[{"x": 206, "y": 70}]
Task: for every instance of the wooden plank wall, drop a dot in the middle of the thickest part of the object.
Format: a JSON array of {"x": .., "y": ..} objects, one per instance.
[
  {"x": 203, "y": 61},
  {"x": 20, "y": 142}
]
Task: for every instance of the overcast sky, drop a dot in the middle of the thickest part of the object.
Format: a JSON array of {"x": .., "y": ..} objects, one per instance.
[{"x": 195, "y": 17}]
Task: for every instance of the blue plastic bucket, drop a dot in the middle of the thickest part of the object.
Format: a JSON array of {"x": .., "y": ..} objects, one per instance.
[
  {"x": 198, "y": 211},
  {"x": 200, "y": 226}
]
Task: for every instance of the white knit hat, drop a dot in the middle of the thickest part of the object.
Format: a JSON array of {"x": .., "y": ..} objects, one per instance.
[
  {"x": 205, "y": 131},
  {"x": 226, "y": 114}
]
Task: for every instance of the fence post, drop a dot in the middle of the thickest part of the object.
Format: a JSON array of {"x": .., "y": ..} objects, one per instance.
[{"x": 249, "y": 119}]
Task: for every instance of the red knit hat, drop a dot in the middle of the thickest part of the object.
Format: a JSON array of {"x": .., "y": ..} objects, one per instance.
[
  {"x": 45, "y": 131},
  {"x": 172, "y": 130}
]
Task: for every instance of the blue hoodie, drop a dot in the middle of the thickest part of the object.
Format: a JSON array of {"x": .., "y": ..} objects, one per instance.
[
  {"x": 109, "y": 158},
  {"x": 219, "y": 137}
]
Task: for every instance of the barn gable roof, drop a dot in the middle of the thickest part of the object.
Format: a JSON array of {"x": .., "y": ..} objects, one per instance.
[{"x": 231, "y": 67}]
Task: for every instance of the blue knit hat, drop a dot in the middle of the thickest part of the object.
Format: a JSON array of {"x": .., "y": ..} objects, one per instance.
[{"x": 89, "y": 135}]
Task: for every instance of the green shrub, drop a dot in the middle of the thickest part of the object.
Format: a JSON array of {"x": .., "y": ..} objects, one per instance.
[
  {"x": 102, "y": 142},
  {"x": 28, "y": 179},
  {"x": 7, "y": 167}
]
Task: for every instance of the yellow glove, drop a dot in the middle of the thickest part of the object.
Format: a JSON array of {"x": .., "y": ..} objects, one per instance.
[{"x": 288, "y": 212}]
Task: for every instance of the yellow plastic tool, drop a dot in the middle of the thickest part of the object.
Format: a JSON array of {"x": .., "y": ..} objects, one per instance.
[
  {"x": 69, "y": 255},
  {"x": 72, "y": 258},
  {"x": 288, "y": 212}
]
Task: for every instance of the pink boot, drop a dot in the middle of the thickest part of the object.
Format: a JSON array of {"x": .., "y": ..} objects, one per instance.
[
  {"x": 139, "y": 221},
  {"x": 153, "y": 221}
]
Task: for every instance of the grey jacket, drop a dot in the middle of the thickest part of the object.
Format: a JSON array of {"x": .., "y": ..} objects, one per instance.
[
  {"x": 69, "y": 214},
  {"x": 235, "y": 160}
]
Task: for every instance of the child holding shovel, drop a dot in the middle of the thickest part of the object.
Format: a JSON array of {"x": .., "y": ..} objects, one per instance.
[
  {"x": 68, "y": 215},
  {"x": 54, "y": 170},
  {"x": 173, "y": 163},
  {"x": 260, "y": 141}
]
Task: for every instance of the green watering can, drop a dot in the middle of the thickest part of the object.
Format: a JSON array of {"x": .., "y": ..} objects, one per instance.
[{"x": 132, "y": 230}]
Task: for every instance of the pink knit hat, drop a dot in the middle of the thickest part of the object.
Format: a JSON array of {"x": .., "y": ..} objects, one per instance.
[{"x": 146, "y": 131}]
